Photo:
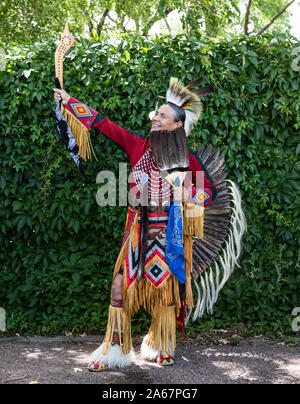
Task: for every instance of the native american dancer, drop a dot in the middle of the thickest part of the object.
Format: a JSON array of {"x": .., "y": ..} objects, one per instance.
[
  {"x": 170, "y": 188},
  {"x": 168, "y": 239}
]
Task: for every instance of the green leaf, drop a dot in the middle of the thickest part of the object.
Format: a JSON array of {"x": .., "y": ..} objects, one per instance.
[
  {"x": 232, "y": 67},
  {"x": 230, "y": 293},
  {"x": 76, "y": 278},
  {"x": 17, "y": 205},
  {"x": 21, "y": 223},
  {"x": 2, "y": 182},
  {"x": 127, "y": 55},
  {"x": 74, "y": 258}
]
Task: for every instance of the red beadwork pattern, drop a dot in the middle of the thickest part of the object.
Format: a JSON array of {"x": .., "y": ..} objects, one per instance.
[{"x": 147, "y": 170}]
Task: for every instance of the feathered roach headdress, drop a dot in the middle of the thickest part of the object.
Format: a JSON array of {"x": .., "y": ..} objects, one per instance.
[{"x": 187, "y": 99}]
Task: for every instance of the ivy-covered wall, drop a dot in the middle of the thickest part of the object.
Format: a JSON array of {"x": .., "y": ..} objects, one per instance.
[{"x": 58, "y": 247}]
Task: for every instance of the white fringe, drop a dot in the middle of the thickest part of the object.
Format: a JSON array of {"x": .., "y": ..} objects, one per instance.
[
  {"x": 209, "y": 285},
  {"x": 115, "y": 358},
  {"x": 149, "y": 353}
]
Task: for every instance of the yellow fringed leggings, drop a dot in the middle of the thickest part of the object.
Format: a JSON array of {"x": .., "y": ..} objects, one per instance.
[
  {"x": 162, "y": 332},
  {"x": 161, "y": 335},
  {"x": 119, "y": 321}
]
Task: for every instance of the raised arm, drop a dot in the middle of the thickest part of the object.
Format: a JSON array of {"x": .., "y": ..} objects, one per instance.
[{"x": 132, "y": 143}]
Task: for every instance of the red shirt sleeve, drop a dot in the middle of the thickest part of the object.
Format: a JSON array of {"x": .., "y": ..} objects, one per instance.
[{"x": 132, "y": 143}]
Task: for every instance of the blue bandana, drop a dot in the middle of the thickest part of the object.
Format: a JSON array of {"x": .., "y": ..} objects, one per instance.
[{"x": 174, "y": 244}]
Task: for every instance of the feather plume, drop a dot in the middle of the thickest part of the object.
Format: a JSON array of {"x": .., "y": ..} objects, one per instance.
[
  {"x": 193, "y": 83},
  {"x": 203, "y": 91},
  {"x": 170, "y": 149},
  {"x": 181, "y": 96},
  {"x": 216, "y": 254}
]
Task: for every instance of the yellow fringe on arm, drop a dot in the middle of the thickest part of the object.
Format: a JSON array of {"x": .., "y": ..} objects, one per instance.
[
  {"x": 81, "y": 135},
  {"x": 193, "y": 220},
  {"x": 193, "y": 225}
]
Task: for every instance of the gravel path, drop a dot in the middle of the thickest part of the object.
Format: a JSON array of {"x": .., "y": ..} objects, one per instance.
[{"x": 55, "y": 361}]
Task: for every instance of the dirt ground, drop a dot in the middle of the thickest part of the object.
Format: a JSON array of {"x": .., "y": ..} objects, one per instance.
[{"x": 220, "y": 360}]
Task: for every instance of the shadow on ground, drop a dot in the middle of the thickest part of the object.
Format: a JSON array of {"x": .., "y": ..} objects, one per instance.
[{"x": 251, "y": 361}]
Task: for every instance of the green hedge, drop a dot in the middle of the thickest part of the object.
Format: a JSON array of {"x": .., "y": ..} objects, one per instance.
[{"x": 58, "y": 247}]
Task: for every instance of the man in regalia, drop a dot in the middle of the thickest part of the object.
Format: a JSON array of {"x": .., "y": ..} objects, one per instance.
[{"x": 169, "y": 190}]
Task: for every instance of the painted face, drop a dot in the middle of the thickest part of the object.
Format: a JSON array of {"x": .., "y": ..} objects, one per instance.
[{"x": 164, "y": 119}]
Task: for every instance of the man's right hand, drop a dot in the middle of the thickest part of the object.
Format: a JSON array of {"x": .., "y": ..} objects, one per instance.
[{"x": 61, "y": 95}]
